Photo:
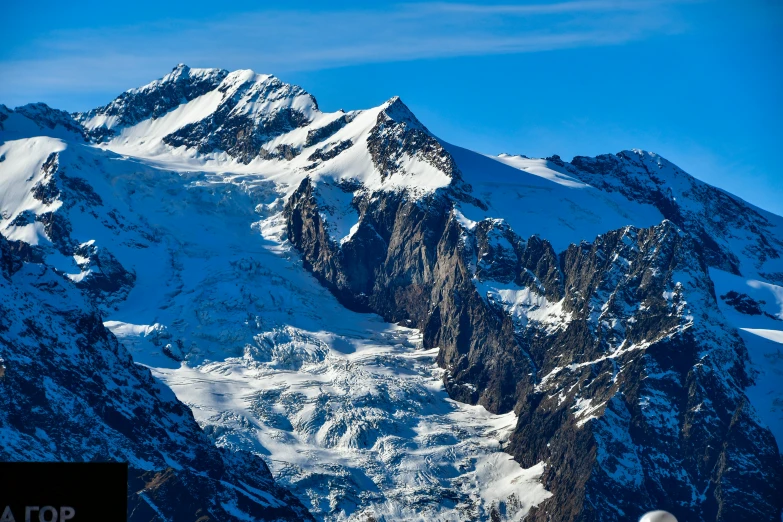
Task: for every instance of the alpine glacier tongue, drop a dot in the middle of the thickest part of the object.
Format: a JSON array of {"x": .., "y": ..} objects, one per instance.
[
  {"x": 70, "y": 392},
  {"x": 401, "y": 328}
]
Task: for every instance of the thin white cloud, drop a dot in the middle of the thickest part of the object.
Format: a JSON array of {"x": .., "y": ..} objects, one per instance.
[
  {"x": 581, "y": 6},
  {"x": 279, "y": 41}
]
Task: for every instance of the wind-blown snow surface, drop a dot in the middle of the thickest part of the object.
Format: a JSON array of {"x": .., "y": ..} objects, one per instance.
[{"x": 347, "y": 410}]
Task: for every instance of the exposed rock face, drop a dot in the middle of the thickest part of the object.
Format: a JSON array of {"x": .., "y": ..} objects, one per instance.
[
  {"x": 151, "y": 101},
  {"x": 106, "y": 280},
  {"x": 70, "y": 392},
  {"x": 397, "y": 135},
  {"x": 408, "y": 261},
  {"x": 102, "y": 276},
  {"x": 49, "y": 118},
  {"x": 665, "y": 387},
  {"x": 635, "y": 175},
  {"x": 630, "y": 389},
  {"x": 321, "y": 133},
  {"x": 4, "y": 112},
  {"x": 46, "y": 190},
  {"x": 242, "y": 133},
  {"x": 745, "y": 304},
  {"x": 329, "y": 152},
  {"x": 240, "y": 136}
]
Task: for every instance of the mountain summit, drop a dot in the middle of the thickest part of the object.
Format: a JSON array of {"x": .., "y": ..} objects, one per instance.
[{"x": 270, "y": 310}]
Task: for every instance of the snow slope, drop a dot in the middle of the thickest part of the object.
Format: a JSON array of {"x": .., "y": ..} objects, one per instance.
[{"x": 533, "y": 197}]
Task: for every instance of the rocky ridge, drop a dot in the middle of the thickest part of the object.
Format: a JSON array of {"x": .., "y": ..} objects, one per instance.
[
  {"x": 155, "y": 99},
  {"x": 630, "y": 355}
]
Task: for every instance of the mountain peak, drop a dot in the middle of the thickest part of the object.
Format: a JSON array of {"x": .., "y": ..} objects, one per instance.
[
  {"x": 246, "y": 76},
  {"x": 39, "y": 119},
  {"x": 152, "y": 100},
  {"x": 182, "y": 74},
  {"x": 179, "y": 71},
  {"x": 397, "y": 111}
]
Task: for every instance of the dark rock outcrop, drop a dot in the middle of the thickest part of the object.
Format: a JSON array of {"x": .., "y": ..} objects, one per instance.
[
  {"x": 240, "y": 136},
  {"x": 46, "y": 190},
  {"x": 48, "y": 118},
  {"x": 637, "y": 175},
  {"x": 646, "y": 390},
  {"x": 405, "y": 262},
  {"x": 321, "y": 133},
  {"x": 154, "y": 100},
  {"x": 745, "y": 304},
  {"x": 398, "y": 134},
  {"x": 106, "y": 280},
  {"x": 237, "y": 133},
  {"x": 330, "y": 151},
  {"x": 4, "y": 112}
]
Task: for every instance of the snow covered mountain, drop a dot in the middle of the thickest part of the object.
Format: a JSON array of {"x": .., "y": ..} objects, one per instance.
[{"x": 400, "y": 328}]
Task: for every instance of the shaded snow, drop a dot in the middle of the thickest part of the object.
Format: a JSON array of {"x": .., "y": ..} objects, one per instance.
[
  {"x": 763, "y": 336},
  {"x": 542, "y": 168},
  {"x": 19, "y": 173},
  {"x": 539, "y": 200},
  {"x": 525, "y": 305}
]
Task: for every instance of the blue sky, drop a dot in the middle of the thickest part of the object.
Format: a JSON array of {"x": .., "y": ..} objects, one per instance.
[{"x": 698, "y": 81}]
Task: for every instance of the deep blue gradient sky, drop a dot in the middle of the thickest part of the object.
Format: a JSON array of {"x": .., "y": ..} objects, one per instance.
[{"x": 699, "y": 82}]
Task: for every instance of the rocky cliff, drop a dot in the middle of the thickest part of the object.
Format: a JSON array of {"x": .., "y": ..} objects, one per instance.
[{"x": 627, "y": 381}]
